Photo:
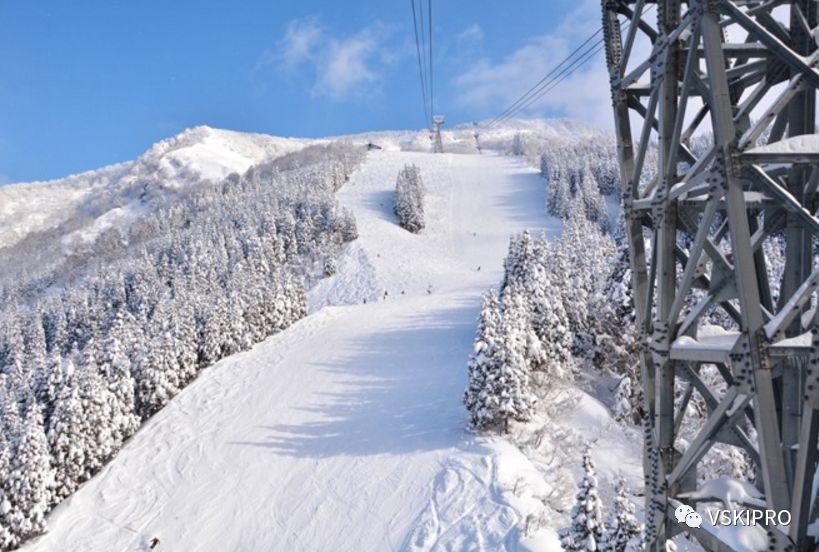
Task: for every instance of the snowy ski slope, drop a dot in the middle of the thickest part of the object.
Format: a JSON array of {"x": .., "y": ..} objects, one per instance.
[{"x": 346, "y": 431}]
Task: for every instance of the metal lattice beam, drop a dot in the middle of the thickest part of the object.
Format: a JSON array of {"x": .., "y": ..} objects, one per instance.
[{"x": 680, "y": 74}]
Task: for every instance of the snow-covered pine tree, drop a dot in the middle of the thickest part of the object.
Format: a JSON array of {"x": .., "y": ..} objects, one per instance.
[
  {"x": 581, "y": 255},
  {"x": 29, "y": 476},
  {"x": 484, "y": 364},
  {"x": 409, "y": 199},
  {"x": 35, "y": 351},
  {"x": 546, "y": 164},
  {"x": 607, "y": 174},
  {"x": 67, "y": 439},
  {"x": 10, "y": 429},
  {"x": 573, "y": 291},
  {"x": 520, "y": 258},
  {"x": 625, "y": 404},
  {"x": 51, "y": 383},
  {"x": 157, "y": 376},
  {"x": 564, "y": 198},
  {"x": 613, "y": 309},
  {"x": 558, "y": 196},
  {"x": 254, "y": 314},
  {"x": 183, "y": 327},
  {"x": 115, "y": 366},
  {"x": 54, "y": 328},
  {"x": 99, "y": 422},
  {"x": 499, "y": 383},
  {"x": 517, "y": 145},
  {"x": 522, "y": 343},
  {"x": 7, "y": 539},
  {"x": 586, "y": 530},
  {"x": 593, "y": 202},
  {"x": 549, "y": 320},
  {"x": 623, "y": 532},
  {"x": 241, "y": 336},
  {"x": 20, "y": 379},
  {"x": 207, "y": 328},
  {"x": 614, "y": 332},
  {"x": 511, "y": 385},
  {"x": 296, "y": 298}
]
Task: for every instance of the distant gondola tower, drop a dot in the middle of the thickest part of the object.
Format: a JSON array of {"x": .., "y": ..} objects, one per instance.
[{"x": 437, "y": 145}]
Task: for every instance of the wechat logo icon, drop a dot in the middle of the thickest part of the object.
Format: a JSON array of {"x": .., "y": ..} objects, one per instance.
[{"x": 686, "y": 514}]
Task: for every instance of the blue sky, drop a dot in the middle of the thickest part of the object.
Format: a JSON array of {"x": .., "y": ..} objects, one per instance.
[{"x": 89, "y": 83}]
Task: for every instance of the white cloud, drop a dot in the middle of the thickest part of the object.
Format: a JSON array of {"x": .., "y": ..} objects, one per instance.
[
  {"x": 301, "y": 38},
  {"x": 339, "y": 66},
  {"x": 349, "y": 63},
  {"x": 472, "y": 34}
]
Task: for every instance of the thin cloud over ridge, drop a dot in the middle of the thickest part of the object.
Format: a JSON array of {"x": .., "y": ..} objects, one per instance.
[{"x": 340, "y": 67}]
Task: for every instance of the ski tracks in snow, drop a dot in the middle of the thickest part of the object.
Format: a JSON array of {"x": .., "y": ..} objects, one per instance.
[{"x": 464, "y": 512}]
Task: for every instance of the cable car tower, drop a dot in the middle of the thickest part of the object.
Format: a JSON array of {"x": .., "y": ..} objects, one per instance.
[
  {"x": 715, "y": 107},
  {"x": 435, "y": 133}
]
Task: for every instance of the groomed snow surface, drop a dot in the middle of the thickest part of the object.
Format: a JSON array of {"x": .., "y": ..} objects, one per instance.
[{"x": 346, "y": 431}]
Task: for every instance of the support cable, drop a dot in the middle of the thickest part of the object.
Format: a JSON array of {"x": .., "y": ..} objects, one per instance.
[
  {"x": 431, "y": 74},
  {"x": 427, "y": 115},
  {"x": 555, "y": 76}
]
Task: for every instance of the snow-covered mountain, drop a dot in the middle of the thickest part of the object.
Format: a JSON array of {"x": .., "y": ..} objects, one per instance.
[
  {"x": 51, "y": 220},
  {"x": 92, "y": 200}
]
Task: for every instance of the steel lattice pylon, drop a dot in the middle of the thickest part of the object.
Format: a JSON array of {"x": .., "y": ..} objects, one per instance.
[{"x": 740, "y": 77}]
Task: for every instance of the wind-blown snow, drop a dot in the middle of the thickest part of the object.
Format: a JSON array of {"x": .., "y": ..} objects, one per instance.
[
  {"x": 213, "y": 154},
  {"x": 346, "y": 431}
]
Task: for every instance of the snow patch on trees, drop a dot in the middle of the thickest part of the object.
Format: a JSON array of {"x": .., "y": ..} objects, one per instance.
[
  {"x": 544, "y": 303},
  {"x": 409, "y": 199},
  {"x": 499, "y": 387},
  {"x": 586, "y": 530},
  {"x": 623, "y": 532}
]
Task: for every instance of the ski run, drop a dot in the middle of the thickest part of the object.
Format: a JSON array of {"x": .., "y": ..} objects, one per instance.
[{"x": 346, "y": 431}]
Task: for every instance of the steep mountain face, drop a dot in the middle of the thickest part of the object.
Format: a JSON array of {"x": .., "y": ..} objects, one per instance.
[
  {"x": 196, "y": 154},
  {"x": 54, "y": 219}
]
